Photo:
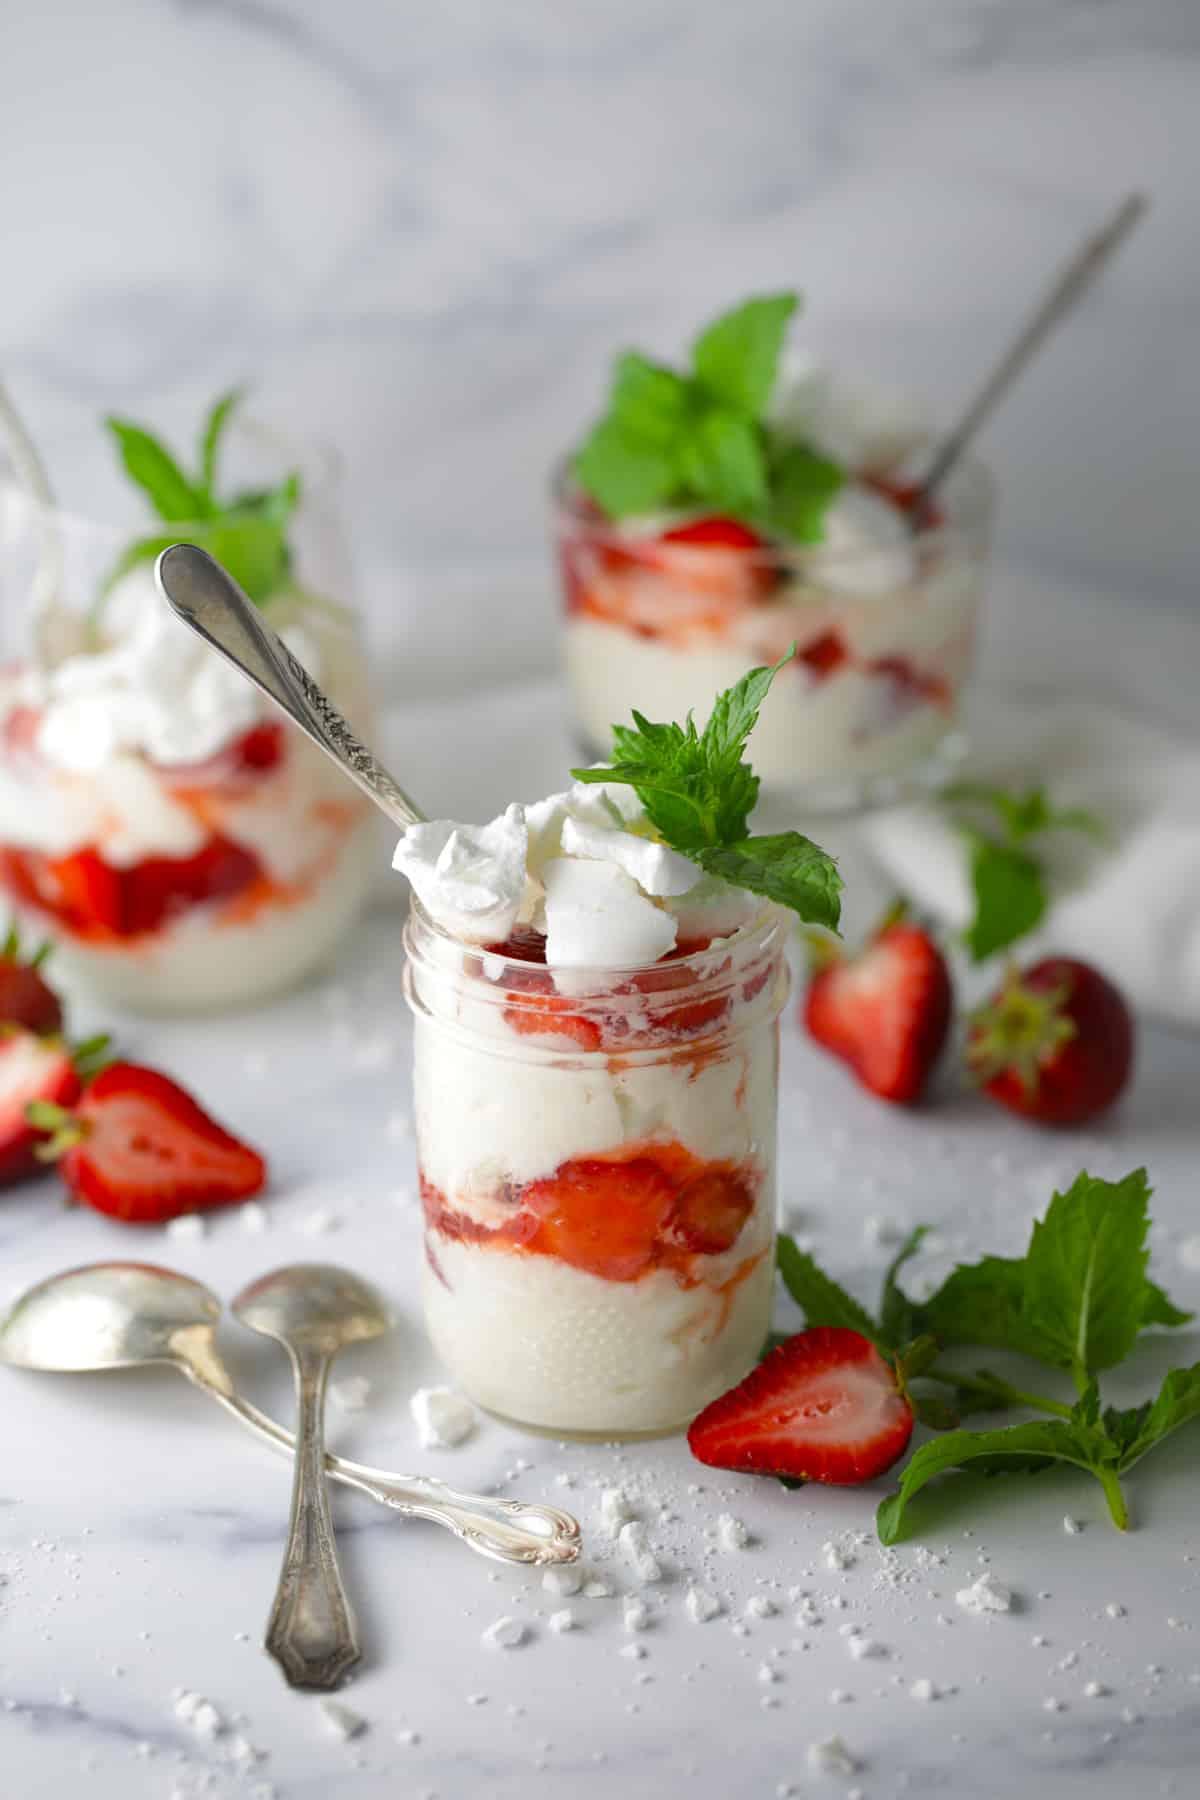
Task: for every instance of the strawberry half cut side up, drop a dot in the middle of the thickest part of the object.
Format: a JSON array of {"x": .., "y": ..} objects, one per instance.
[
  {"x": 1054, "y": 1044},
  {"x": 139, "y": 1148},
  {"x": 26, "y": 998},
  {"x": 824, "y": 1407},
  {"x": 886, "y": 1011}
]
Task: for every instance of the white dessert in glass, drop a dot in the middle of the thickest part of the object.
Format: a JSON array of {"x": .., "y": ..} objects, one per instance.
[
  {"x": 184, "y": 848},
  {"x": 671, "y": 602},
  {"x": 596, "y": 1143}
]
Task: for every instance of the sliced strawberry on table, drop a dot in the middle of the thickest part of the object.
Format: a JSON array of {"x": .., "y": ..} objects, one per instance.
[
  {"x": 138, "y": 1147},
  {"x": 824, "y": 1406},
  {"x": 602, "y": 1216},
  {"x": 885, "y": 1012},
  {"x": 1055, "y": 1043},
  {"x": 711, "y": 1209},
  {"x": 34, "y": 1072},
  {"x": 26, "y": 998}
]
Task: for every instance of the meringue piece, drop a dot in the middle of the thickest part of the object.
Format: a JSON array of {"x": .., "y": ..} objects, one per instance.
[
  {"x": 443, "y": 1418},
  {"x": 985, "y": 1594},
  {"x": 658, "y": 870},
  {"x": 469, "y": 878},
  {"x": 598, "y": 918}
]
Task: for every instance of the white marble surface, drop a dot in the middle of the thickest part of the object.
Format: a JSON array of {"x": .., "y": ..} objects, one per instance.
[{"x": 140, "y": 1531}]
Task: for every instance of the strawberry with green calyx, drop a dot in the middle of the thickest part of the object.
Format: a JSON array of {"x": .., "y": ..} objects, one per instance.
[
  {"x": 701, "y": 439},
  {"x": 37, "y": 1072},
  {"x": 1055, "y": 1043},
  {"x": 139, "y": 1148},
  {"x": 26, "y": 998},
  {"x": 885, "y": 1011},
  {"x": 246, "y": 530}
]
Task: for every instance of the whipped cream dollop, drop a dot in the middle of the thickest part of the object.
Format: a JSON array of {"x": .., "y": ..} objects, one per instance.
[
  {"x": 582, "y": 866},
  {"x": 151, "y": 686}
]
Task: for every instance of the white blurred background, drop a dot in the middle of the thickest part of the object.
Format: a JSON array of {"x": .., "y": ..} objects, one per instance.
[{"x": 422, "y": 230}]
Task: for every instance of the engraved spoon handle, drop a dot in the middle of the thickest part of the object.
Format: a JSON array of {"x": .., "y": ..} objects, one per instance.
[
  {"x": 311, "y": 1632},
  {"x": 200, "y": 592},
  {"x": 512, "y": 1531}
]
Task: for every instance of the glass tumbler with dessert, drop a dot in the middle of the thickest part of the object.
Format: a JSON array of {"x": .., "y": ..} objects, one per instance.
[
  {"x": 715, "y": 516},
  {"x": 596, "y": 981},
  {"x": 184, "y": 847}
]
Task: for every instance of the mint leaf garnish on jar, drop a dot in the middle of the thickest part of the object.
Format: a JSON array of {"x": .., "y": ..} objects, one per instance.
[
  {"x": 245, "y": 530},
  {"x": 699, "y": 792},
  {"x": 701, "y": 438}
]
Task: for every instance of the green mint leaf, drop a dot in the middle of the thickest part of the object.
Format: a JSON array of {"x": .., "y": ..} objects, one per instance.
[
  {"x": 735, "y": 714},
  {"x": 736, "y": 357},
  {"x": 1085, "y": 1273},
  {"x": 1178, "y": 1402},
  {"x": 936, "y": 1412},
  {"x": 723, "y": 463},
  {"x": 210, "y": 439},
  {"x": 897, "y": 1314},
  {"x": 803, "y": 486},
  {"x": 1010, "y": 1449},
  {"x": 785, "y": 867},
  {"x": 624, "y": 474},
  {"x": 650, "y": 402},
  {"x": 253, "y": 549},
  {"x": 1158, "y": 1309},
  {"x": 818, "y": 1296},
  {"x": 1023, "y": 813},
  {"x": 980, "y": 1303},
  {"x": 151, "y": 465},
  {"x": 1010, "y": 896}
]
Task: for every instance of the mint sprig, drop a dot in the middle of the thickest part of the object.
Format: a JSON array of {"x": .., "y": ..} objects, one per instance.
[
  {"x": 1078, "y": 1300},
  {"x": 699, "y": 793},
  {"x": 247, "y": 531},
  {"x": 1008, "y": 876},
  {"x": 701, "y": 439}
]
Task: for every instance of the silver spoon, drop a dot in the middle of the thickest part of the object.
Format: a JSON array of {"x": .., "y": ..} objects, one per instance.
[
  {"x": 314, "y": 1310},
  {"x": 1069, "y": 286},
  {"x": 198, "y": 591},
  {"x": 128, "y": 1315}
]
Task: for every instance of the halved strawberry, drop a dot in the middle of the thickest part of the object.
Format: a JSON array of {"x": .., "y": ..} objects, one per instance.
[
  {"x": 886, "y": 1011},
  {"x": 32, "y": 1069},
  {"x": 711, "y": 1209},
  {"x": 824, "y": 1406},
  {"x": 1055, "y": 1044},
  {"x": 139, "y": 1148},
  {"x": 605, "y": 1217},
  {"x": 26, "y": 998}
]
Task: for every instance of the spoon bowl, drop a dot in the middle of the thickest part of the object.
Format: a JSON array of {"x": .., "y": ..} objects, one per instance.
[{"x": 313, "y": 1306}]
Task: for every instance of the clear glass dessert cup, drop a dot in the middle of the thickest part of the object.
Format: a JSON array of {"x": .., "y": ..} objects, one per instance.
[
  {"x": 871, "y": 709},
  {"x": 223, "y": 867},
  {"x": 597, "y": 1168}
]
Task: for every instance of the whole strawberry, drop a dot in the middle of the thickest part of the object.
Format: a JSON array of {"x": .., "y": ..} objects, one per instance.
[
  {"x": 1055, "y": 1043},
  {"x": 26, "y": 998},
  {"x": 886, "y": 1011},
  {"x": 138, "y": 1147},
  {"x": 824, "y": 1406}
]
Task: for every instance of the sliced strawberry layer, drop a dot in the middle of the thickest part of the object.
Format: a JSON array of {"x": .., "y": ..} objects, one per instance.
[
  {"x": 656, "y": 1207},
  {"x": 92, "y": 899},
  {"x": 823, "y": 1407}
]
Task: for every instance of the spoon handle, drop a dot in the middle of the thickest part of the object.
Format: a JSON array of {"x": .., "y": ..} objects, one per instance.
[
  {"x": 200, "y": 592},
  {"x": 512, "y": 1531},
  {"x": 311, "y": 1632}
]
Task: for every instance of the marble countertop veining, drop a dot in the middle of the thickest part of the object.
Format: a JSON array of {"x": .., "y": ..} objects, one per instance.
[{"x": 140, "y": 1531}]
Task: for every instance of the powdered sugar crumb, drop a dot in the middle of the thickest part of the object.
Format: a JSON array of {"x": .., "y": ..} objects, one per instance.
[
  {"x": 701, "y": 1606},
  {"x": 985, "y": 1595},
  {"x": 504, "y": 1634}
]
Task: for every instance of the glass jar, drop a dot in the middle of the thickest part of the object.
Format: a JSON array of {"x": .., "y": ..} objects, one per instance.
[
  {"x": 184, "y": 847},
  {"x": 871, "y": 708},
  {"x": 597, "y": 1168}
]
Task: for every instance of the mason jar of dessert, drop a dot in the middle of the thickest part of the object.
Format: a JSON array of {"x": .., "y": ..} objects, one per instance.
[
  {"x": 716, "y": 515},
  {"x": 183, "y": 847},
  {"x": 597, "y": 1171}
]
